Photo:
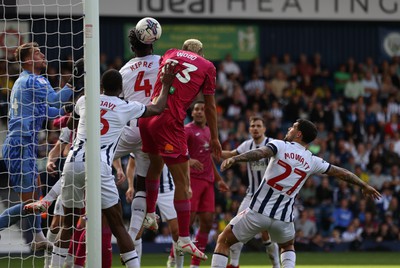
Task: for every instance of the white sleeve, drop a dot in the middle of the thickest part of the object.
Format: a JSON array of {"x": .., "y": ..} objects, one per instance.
[
  {"x": 79, "y": 104},
  {"x": 65, "y": 135},
  {"x": 241, "y": 148},
  {"x": 136, "y": 109},
  {"x": 320, "y": 165}
]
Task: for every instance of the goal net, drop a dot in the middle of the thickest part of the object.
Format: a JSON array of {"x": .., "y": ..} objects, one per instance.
[{"x": 57, "y": 26}]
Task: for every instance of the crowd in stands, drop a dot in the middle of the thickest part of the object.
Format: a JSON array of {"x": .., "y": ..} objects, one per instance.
[{"x": 356, "y": 107}]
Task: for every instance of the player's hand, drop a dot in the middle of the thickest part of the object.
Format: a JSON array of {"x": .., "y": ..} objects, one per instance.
[
  {"x": 196, "y": 165},
  {"x": 77, "y": 78},
  {"x": 222, "y": 186},
  {"x": 168, "y": 76},
  {"x": 227, "y": 163},
  {"x": 130, "y": 194},
  {"x": 371, "y": 192},
  {"x": 51, "y": 169},
  {"x": 120, "y": 177},
  {"x": 216, "y": 148},
  {"x": 68, "y": 108}
]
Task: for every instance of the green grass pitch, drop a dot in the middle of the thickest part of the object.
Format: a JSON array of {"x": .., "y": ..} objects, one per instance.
[{"x": 253, "y": 260}]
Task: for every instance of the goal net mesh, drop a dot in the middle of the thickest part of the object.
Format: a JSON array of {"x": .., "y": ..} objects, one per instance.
[{"x": 57, "y": 27}]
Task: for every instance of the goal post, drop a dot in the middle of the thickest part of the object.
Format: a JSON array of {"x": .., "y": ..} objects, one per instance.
[{"x": 93, "y": 176}]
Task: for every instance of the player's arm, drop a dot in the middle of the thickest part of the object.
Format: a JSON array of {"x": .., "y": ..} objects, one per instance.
[
  {"x": 222, "y": 186},
  {"x": 347, "y": 176},
  {"x": 130, "y": 174},
  {"x": 210, "y": 111},
  {"x": 55, "y": 154},
  {"x": 252, "y": 155},
  {"x": 227, "y": 154},
  {"x": 120, "y": 172},
  {"x": 167, "y": 77}
]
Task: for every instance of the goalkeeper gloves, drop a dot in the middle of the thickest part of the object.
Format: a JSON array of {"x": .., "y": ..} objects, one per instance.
[{"x": 77, "y": 80}]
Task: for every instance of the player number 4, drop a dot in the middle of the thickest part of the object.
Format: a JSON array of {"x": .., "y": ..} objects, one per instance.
[
  {"x": 142, "y": 84},
  {"x": 273, "y": 182}
]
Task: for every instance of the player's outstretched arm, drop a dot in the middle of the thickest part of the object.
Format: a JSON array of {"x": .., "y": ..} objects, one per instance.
[
  {"x": 226, "y": 154},
  {"x": 347, "y": 176},
  {"x": 252, "y": 155},
  {"x": 167, "y": 77},
  {"x": 210, "y": 111}
]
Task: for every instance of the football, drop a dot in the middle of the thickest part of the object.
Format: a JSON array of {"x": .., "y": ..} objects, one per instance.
[{"x": 148, "y": 30}]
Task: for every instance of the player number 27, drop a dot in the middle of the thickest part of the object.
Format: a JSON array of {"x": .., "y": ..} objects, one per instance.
[
  {"x": 273, "y": 182},
  {"x": 184, "y": 75}
]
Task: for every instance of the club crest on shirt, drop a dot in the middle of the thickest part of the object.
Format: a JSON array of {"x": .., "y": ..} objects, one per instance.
[{"x": 42, "y": 81}]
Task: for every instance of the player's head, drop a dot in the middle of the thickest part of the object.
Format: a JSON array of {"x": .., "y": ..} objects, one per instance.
[
  {"x": 303, "y": 131},
  {"x": 111, "y": 82},
  {"x": 193, "y": 45},
  {"x": 140, "y": 49},
  {"x": 257, "y": 127},
  {"x": 198, "y": 114},
  {"x": 30, "y": 57}
]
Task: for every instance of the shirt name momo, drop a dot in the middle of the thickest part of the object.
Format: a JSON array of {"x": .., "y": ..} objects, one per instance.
[
  {"x": 141, "y": 64},
  {"x": 108, "y": 105},
  {"x": 298, "y": 158}
]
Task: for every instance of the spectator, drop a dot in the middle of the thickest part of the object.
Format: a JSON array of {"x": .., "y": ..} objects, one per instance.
[{"x": 342, "y": 216}]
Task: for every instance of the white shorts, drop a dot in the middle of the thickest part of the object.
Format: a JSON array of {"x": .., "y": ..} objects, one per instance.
[
  {"x": 73, "y": 187},
  {"x": 249, "y": 223},
  {"x": 245, "y": 203},
  {"x": 165, "y": 203},
  {"x": 58, "y": 207},
  {"x": 130, "y": 142}
]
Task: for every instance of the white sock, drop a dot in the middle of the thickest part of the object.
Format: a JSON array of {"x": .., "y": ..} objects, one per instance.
[
  {"x": 138, "y": 248},
  {"x": 54, "y": 192},
  {"x": 69, "y": 261},
  {"x": 219, "y": 261},
  {"x": 272, "y": 250},
  {"x": 288, "y": 259},
  {"x": 130, "y": 259},
  {"x": 47, "y": 256},
  {"x": 78, "y": 266},
  {"x": 194, "y": 266},
  {"x": 39, "y": 236},
  {"x": 58, "y": 257},
  {"x": 184, "y": 239},
  {"x": 234, "y": 253},
  {"x": 138, "y": 209},
  {"x": 179, "y": 258}
]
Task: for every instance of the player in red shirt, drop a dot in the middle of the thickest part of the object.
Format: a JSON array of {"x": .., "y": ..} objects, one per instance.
[
  {"x": 203, "y": 174},
  {"x": 164, "y": 139}
]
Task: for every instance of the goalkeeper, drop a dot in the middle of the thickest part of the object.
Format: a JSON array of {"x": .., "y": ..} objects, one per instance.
[{"x": 32, "y": 101}]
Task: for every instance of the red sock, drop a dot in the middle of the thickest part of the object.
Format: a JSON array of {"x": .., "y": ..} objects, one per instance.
[
  {"x": 182, "y": 208},
  {"x": 151, "y": 194},
  {"x": 74, "y": 243},
  {"x": 201, "y": 239},
  {"x": 171, "y": 252},
  {"x": 80, "y": 256},
  {"x": 106, "y": 248}
]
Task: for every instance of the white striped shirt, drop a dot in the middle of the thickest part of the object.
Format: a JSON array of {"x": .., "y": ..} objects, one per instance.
[
  {"x": 115, "y": 114},
  {"x": 255, "y": 169},
  {"x": 286, "y": 173}
]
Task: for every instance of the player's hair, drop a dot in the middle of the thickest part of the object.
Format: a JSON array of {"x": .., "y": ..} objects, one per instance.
[
  {"x": 257, "y": 118},
  {"x": 193, "y": 45},
  {"x": 24, "y": 50},
  {"x": 308, "y": 129},
  {"x": 135, "y": 42},
  {"x": 111, "y": 81}
]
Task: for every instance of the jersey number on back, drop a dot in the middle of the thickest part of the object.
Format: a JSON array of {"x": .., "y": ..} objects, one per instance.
[
  {"x": 273, "y": 182},
  {"x": 184, "y": 75},
  {"x": 105, "y": 126},
  {"x": 142, "y": 84}
]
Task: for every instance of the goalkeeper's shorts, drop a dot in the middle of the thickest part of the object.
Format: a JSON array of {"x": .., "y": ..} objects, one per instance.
[{"x": 20, "y": 159}]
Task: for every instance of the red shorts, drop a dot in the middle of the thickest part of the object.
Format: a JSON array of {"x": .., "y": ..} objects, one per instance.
[
  {"x": 163, "y": 135},
  {"x": 203, "y": 199}
]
